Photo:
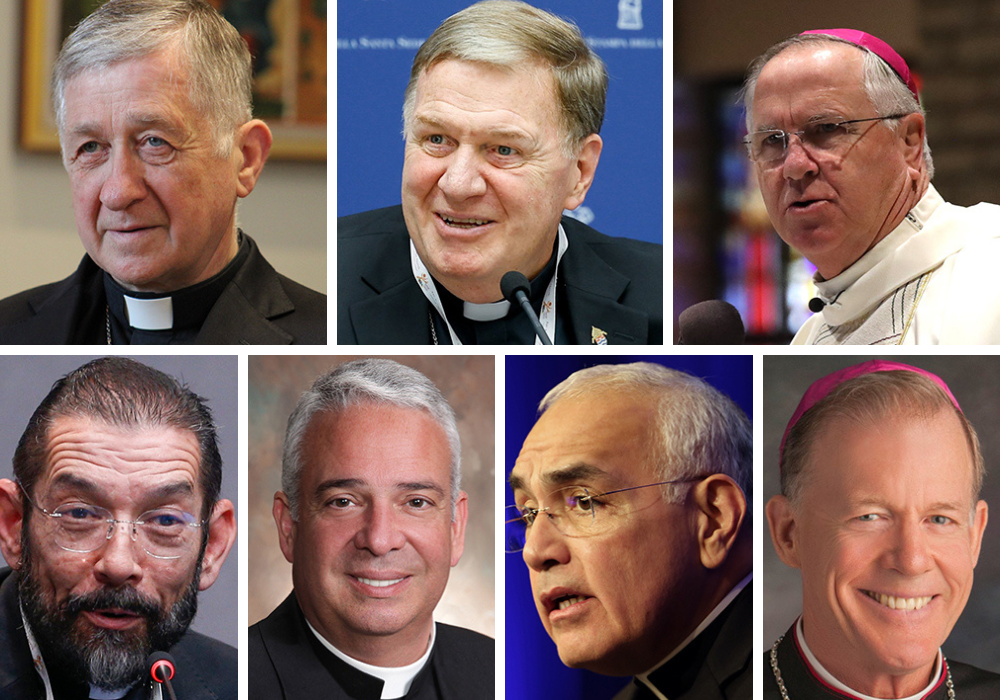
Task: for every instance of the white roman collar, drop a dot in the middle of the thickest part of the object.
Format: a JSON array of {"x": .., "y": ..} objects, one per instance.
[
  {"x": 485, "y": 312},
  {"x": 150, "y": 314},
  {"x": 828, "y": 677},
  {"x": 396, "y": 680}
]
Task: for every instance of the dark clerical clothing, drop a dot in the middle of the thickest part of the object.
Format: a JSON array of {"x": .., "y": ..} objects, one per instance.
[
  {"x": 715, "y": 665},
  {"x": 609, "y": 290},
  {"x": 288, "y": 662},
  {"x": 206, "y": 668},
  {"x": 247, "y": 303},
  {"x": 802, "y": 682}
]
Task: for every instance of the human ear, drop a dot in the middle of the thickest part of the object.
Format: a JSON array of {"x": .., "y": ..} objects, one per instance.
[
  {"x": 781, "y": 521},
  {"x": 221, "y": 535},
  {"x": 282, "y": 513},
  {"x": 913, "y": 129},
  {"x": 585, "y": 167},
  {"x": 254, "y": 142},
  {"x": 722, "y": 508},
  {"x": 978, "y": 525},
  {"x": 11, "y": 522},
  {"x": 458, "y": 527}
]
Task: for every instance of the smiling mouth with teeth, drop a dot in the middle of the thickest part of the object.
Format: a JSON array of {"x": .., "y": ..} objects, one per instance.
[
  {"x": 378, "y": 583},
  {"x": 463, "y": 223},
  {"x": 899, "y": 603}
]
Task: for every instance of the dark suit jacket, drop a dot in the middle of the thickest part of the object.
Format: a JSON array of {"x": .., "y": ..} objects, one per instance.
[
  {"x": 288, "y": 663},
  {"x": 971, "y": 683},
  {"x": 615, "y": 284},
  {"x": 715, "y": 665},
  {"x": 259, "y": 307},
  {"x": 206, "y": 668}
]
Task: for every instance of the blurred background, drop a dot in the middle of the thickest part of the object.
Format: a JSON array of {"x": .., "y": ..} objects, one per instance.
[
  {"x": 724, "y": 246},
  {"x": 285, "y": 214}
]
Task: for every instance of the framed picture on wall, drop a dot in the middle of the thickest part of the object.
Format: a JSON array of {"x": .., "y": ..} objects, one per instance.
[{"x": 287, "y": 39}]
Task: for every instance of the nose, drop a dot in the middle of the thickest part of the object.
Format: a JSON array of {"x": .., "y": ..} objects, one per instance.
[
  {"x": 380, "y": 532},
  {"x": 798, "y": 163},
  {"x": 910, "y": 553},
  {"x": 118, "y": 558},
  {"x": 125, "y": 182},
  {"x": 463, "y": 177},
  {"x": 544, "y": 545}
]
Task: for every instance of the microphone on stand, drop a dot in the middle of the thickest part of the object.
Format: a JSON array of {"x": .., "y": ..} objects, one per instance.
[
  {"x": 162, "y": 668},
  {"x": 713, "y": 322},
  {"x": 514, "y": 287}
]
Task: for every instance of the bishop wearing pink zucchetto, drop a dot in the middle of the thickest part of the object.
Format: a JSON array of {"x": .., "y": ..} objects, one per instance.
[
  {"x": 879, "y": 510},
  {"x": 837, "y": 138}
]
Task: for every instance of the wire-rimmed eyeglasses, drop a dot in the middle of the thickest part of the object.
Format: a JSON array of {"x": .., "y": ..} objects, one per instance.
[
  {"x": 576, "y": 511},
  {"x": 163, "y": 533},
  {"x": 771, "y": 145}
]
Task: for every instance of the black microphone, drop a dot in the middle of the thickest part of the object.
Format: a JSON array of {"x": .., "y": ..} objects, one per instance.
[
  {"x": 816, "y": 305},
  {"x": 514, "y": 287},
  {"x": 162, "y": 668},
  {"x": 713, "y": 322}
]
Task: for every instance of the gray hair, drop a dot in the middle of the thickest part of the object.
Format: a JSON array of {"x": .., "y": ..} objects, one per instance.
[
  {"x": 884, "y": 89},
  {"x": 217, "y": 58},
  {"x": 505, "y": 34},
  {"x": 699, "y": 429},
  {"x": 374, "y": 380},
  {"x": 865, "y": 400}
]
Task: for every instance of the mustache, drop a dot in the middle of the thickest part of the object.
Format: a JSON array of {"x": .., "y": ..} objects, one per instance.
[{"x": 127, "y": 599}]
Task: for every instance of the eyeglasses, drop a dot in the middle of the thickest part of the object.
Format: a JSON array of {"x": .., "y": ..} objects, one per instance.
[
  {"x": 771, "y": 146},
  {"x": 164, "y": 533},
  {"x": 576, "y": 511}
]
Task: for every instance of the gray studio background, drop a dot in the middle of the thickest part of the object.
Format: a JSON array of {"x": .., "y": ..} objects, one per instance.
[
  {"x": 975, "y": 382},
  {"x": 24, "y": 382}
]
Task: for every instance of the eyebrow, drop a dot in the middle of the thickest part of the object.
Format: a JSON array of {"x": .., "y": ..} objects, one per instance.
[
  {"x": 91, "y": 490},
  {"x": 494, "y": 132},
  {"x": 140, "y": 120},
  {"x": 354, "y": 482},
  {"x": 937, "y": 506},
  {"x": 570, "y": 474}
]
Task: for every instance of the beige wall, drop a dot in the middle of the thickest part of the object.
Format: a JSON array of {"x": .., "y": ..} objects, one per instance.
[
  {"x": 286, "y": 214},
  {"x": 274, "y": 386}
]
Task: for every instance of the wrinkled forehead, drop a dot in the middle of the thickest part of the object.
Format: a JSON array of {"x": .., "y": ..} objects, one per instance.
[
  {"x": 808, "y": 77},
  {"x": 83, "y": 452},
  {"x": 605, "y": 439}
]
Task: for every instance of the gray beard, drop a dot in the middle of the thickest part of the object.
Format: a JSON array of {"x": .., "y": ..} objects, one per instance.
[{"x": 107, "y": 659}]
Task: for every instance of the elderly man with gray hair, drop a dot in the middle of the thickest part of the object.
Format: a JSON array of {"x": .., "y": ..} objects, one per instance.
[
  {"x": 153, "y": 105},
  {"x": 632, "y": 502},
  {"x": 501, "y": 118},
  {"x": 839, "y": 148},
  {"x": 372, "y": 517}
]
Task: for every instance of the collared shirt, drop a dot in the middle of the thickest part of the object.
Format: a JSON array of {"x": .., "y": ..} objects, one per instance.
[{"x": 396, "y": 680}]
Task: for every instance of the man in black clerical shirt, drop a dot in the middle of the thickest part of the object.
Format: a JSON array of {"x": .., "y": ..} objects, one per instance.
[
  {"x": 153, "y": 105},
  {"x": 880, "y": 511},
  {"x": 632, "y": 517},
  {"x": 111, "y": 526},
  {"x": 372, "y": 518},
  {"x": 501, "y": 118}
]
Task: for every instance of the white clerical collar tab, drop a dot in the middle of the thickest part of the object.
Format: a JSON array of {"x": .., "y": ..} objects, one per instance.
[
  {"x": 150, "y": 314},
  {"x": 485, "y": 312}
]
